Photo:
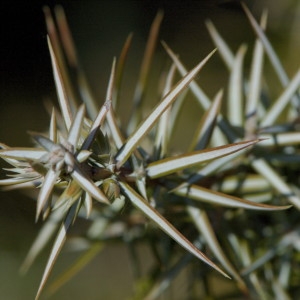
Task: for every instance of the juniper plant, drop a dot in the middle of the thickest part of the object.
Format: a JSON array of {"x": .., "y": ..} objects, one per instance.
[{"x": 235, "y": 169}]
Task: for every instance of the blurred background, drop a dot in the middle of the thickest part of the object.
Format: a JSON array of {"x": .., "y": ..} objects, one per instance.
[{"x": 99, "y": 30}]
